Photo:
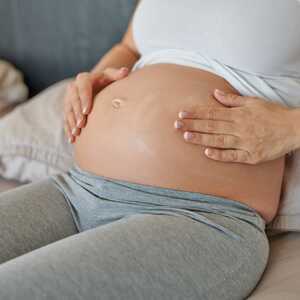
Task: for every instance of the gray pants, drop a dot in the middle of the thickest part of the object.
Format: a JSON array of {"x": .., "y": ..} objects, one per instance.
[{"x": 140, "y": 256}]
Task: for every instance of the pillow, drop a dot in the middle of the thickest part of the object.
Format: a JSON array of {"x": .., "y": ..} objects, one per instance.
[
  {"x": 12, "y": 87},
  {"x": 288, "y": 215},
  {"x": 33, "y": 144}
]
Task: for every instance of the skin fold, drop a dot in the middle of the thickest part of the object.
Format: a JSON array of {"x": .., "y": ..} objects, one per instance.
[{"x": 129, "y": 135}]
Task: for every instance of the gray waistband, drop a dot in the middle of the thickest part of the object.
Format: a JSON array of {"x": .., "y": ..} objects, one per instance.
[{"x": 147, "y": 196}]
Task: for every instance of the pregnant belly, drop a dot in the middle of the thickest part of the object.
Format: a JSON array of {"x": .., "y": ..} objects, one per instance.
[{"x": 130, "y": 136}]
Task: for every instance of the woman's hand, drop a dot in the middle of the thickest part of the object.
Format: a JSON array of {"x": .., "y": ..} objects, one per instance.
[
  {"x": 79, "y": 97},
  {"x": 255, "y": 130}
]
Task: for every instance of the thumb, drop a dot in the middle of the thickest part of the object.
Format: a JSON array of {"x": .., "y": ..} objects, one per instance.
[
  {"x": 108, "y": 76},
  {"x": 230, "y": 99},
  {"x": 113, "y": 74}
]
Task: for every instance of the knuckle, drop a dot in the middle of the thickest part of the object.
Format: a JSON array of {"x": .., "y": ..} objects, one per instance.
[
  {"x": 74, "y": 100},
  {"x": 70, "y": 117},
  {"x": 76, "y": 104},
  {"x": 72, "y": 91},
  {"x": 69, "y": 91},
  {"x": 234, "y": 155},
  {"x": 233, "y": 141},
  {"x": 71, "y": 85},
  {"x": 198, "y": 138},
  {"x": 211, "y": 113},
  {"x": 210, "y": 125},
  {"x": 82, "y": 75},
  {"x": 220, "y": 140}
]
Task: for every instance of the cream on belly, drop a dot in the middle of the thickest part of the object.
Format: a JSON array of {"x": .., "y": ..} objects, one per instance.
[{"x": 130, "y": 136}]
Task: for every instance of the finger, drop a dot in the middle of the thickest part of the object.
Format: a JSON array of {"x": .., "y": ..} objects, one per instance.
[
  {"x": 76, "y": 107},
  {"x": 115, "y": 74},
  {"x": 209, "y": 126},
  {"x": 212, "y": 140},
  {"x": 230, "y": 99},
  {"x": 210, "y": 113},
  {"x": 78, "y": 131},
  {"x": 72, "y": 123},
  {"x": 240, "y": 156},
  {"x": 85, "y": 91},
  {"x": 110, "y": 75},
  {"x": 68, "y": 133},
  {"x": 83, "y": 122}
]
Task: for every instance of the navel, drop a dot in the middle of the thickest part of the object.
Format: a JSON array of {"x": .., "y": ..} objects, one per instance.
[{"x": 117, "y": 103}]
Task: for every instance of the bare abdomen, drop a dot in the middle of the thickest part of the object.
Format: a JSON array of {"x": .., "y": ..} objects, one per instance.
[{"x": 130, "y": 136}]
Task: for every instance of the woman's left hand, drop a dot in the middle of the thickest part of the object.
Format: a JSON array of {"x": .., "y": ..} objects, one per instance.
[{"x": 255, "y": 130}]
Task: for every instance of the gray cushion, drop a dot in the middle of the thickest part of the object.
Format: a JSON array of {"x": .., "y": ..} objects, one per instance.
[{"x": 52, "y": 40}]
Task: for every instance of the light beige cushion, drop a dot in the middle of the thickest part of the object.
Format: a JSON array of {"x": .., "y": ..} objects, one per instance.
[
  {"x": 33, "y": 144},
  {"x": 12, "y": 86},
  {"x": 288, "y": 216}
]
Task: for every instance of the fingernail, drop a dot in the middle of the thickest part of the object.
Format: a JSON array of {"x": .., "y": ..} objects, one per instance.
[
  {"x": 178, "y": 124},
  {"x": 84, "y": 111},
  {"x": 188, "y": 135},
  {"x": 221, "y": 93},
  {"x": 73, "y": 131},
  {"x": 183, "y": 114},
  {"x": 70, "y": 141}
]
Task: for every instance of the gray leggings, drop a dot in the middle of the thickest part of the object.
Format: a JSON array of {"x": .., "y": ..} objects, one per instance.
[{"x": 140, "y": 256}]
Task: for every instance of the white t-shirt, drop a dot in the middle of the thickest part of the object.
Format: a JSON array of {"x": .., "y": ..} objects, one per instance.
[{"x": 253, "y": 44}]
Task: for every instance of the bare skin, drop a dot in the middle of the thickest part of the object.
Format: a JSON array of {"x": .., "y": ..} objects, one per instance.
[{"x": 130, "y": 135}]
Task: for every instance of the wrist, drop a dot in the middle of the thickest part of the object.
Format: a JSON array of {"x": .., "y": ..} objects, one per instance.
[{"x": 120, "y": 55}]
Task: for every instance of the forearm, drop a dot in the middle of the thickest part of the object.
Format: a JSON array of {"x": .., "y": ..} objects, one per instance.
[{"x": 118, "y": 56}]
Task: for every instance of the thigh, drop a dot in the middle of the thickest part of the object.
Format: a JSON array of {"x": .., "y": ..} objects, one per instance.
[
  {"x": 141, "y": 257},
  {"x": 31, "y": 216}
]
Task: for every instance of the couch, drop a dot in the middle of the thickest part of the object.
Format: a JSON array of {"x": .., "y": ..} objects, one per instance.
[{"x": 52, "y": 40}]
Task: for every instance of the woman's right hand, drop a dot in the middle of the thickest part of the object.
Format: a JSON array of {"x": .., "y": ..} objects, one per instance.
[{"x": 79, "y": 97}]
